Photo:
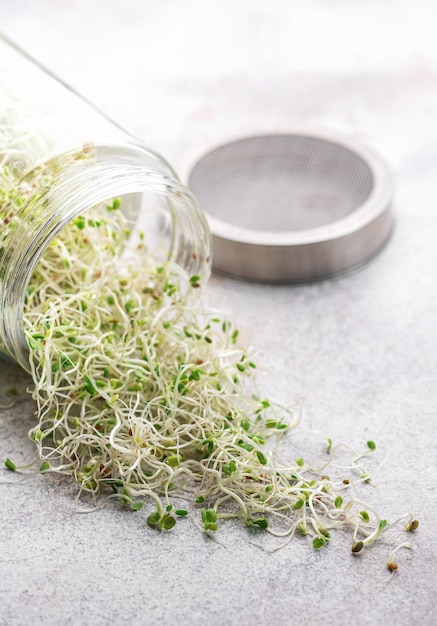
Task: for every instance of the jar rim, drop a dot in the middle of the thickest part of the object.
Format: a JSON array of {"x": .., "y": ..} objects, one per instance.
[{"x": 115, "y": 170}]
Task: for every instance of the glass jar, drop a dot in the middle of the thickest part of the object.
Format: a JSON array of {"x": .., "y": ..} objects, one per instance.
[{"x": 82, "y": 159}]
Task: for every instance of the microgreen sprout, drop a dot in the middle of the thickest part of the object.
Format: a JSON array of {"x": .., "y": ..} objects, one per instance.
[
  {"x": 143, "y": 395},
  {"x": 10, "y": 465},
  {"x": 392, "y": 566},
  {"x": 338, "y": 502},
  {"x": 412, "y": 525},
  {"x": 209, "y": 518},
  {"x": 357, "y": 547},
  {"x": 319, "y": 542},
  {"x": 260, "y": 522},
  {"x": 161, "y": 521}
]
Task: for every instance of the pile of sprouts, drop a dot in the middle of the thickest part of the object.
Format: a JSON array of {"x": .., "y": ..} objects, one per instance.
[{"x": 145, "y": 397}]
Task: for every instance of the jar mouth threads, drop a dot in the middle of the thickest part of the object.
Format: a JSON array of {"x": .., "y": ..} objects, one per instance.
[{"x": 79, "y": 182}]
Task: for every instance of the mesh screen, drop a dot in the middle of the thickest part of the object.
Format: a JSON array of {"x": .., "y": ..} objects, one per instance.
[{"x": 281, "y": 183}]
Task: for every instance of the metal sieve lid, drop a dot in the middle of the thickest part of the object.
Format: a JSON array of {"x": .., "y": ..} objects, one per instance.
[{"x": 293, "y": 207}]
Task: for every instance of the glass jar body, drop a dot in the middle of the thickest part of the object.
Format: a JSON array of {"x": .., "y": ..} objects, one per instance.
[{"x": 59, "y": 157}]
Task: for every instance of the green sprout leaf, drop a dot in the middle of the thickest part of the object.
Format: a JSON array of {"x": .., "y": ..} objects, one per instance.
[
  {"x": 318, "y": 542},
  {"x": 260, "y": 522},
  {"x": 153, "y": 519},
  {"x": 79, "y": 222},
  {"x": 195, "y": 281},
  {"x": 10, "y": 465},
  {"x": 116, "y": 204},
  {"x": 209, "y": 517},
  {"x": 173, "y": 460},
  {"x": 167, "y": 522},
  {"x": 229, "y": 468},
  {"x": 261, "y": 458}
]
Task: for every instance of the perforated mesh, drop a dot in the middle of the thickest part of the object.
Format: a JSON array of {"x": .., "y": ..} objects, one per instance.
[{"x": 280, "y": 183}]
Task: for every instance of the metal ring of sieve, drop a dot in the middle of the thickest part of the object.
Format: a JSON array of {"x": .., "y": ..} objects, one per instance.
[{"x": 285, "y": 208}]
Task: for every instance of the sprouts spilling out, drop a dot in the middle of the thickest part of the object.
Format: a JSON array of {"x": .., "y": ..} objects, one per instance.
[{"x": 147, "y": 397}]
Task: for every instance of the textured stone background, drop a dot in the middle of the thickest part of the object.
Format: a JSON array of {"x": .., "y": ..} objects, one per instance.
[{"x": 361, "y": 348}]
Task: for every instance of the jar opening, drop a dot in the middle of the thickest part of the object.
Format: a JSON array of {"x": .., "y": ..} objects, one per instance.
[{"x": 154, "y": 204}]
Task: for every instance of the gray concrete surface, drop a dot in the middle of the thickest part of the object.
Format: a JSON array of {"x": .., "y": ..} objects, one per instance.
[{"x": 361, "y": 348}]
